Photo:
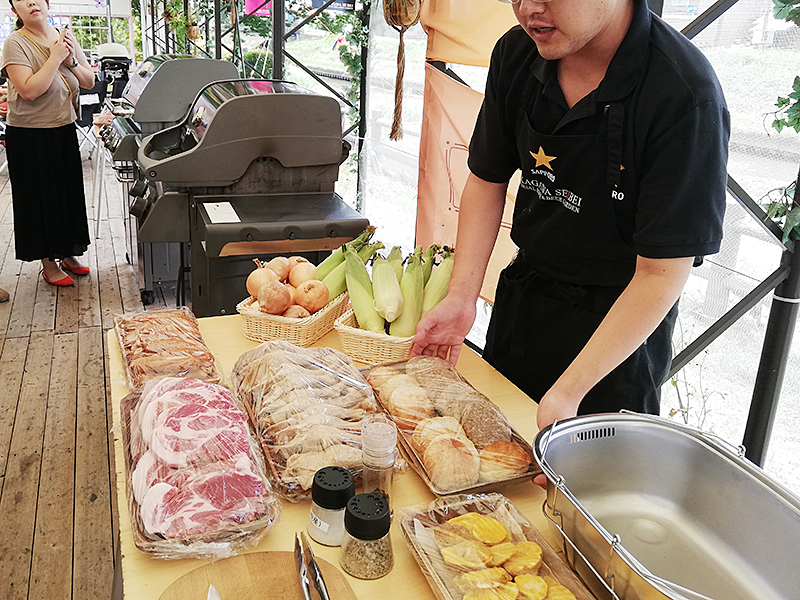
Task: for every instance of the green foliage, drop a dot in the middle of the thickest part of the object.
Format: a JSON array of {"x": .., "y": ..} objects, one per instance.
[
  {"x": 258, "y": 64},
  {"x": 788, "y": 113},
  {"x": 353, "y": 33},
  {"x": 782, "y": 209},
  {"x": 788, "y": 10}
]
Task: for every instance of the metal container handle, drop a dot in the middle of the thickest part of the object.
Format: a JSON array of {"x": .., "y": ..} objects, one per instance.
[
  {"x": 739, "y": 450},
  {"x": 600, "y": 578},
  {"x": 548, "y": 470}
]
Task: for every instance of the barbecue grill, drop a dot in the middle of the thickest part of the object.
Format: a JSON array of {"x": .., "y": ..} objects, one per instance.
[
  {"x": 249, "y": 172},
  {"x": 158, "y": 94}
]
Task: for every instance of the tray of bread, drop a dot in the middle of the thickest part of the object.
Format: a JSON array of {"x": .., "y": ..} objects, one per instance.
[
  {"x": 196, "y": 478},
  {"x": 163, "y": 343},
  {"x": 306, "y": 405},
  {"x": 455, "y": 437},
  {"x": 480, "y": 547}
]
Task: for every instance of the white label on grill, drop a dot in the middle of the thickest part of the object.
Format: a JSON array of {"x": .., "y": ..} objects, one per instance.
[{"x": 221, "y": 212}]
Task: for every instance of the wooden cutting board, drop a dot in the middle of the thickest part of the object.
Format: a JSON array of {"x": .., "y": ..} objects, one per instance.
[{"x": 256, "y": 576}]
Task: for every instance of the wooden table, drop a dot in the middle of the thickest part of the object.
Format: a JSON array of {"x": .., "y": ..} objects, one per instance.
[{"x": 145, "y": 578}]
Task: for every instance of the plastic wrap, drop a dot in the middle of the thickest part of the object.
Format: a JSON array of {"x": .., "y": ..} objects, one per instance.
[
  {"x": 474, "y": 557},
  {"x": 307, "y": 405},
  {"x": 163, "y": 343},
  {"x": 457, "y": 439},
  {"x": 196, "y": 480}
]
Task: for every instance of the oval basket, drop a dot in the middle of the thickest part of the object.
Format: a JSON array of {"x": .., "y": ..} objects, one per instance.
[
  {"x": 367, "y": 346},
  {"x": 261, "y": 327}
]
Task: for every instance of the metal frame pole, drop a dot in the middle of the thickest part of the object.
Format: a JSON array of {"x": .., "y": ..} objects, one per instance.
[
  {"x": 711, "y": 14},
  {"x": 278, "y": 28},
  {"x": 153, "y": 25},
  {"x": 218, "y": 29},
  {"x": 774, "y": 358},
  {"x": 362, "y": 110}
]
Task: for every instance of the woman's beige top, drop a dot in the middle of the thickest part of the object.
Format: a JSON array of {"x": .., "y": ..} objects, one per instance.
[{"x": 59, "y": 105}]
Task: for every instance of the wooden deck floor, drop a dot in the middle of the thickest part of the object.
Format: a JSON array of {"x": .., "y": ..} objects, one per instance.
[{"x": 57, "y": 498}]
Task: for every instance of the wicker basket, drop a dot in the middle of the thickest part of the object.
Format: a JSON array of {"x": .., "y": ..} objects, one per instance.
[
  {"x": 370, "y": 347},
  {"x": 261, "y": 327}
]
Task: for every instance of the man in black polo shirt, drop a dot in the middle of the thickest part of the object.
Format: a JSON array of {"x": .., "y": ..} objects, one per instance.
[{"x": 620, "y": 129}]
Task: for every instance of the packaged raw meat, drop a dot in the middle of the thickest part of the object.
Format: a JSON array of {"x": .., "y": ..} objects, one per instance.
[
  {"x": 197, "y": 484},
  {"x": 307, "y": 405},
  {"x": 163, "y": 343}
]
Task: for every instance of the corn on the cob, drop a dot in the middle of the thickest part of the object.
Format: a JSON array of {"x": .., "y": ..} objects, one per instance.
[
  {"x": 335, "y": 280},
  {"x": 428, "y": 258},
  {"x": 360, "y": 288},
  {"x": 386, "y": 290},
  {"x": 395, "y": 259},
  {"x": 436, "y": 288},
  {"x": 337, "y": 256},
  {"x": 412, "y": 287}
]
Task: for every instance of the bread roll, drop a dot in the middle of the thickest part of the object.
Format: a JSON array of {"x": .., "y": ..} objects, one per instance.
[
  {"x": 377, "y": 376},
  {"x": 503, "y": 460},
  {"x": 423, "y": 367},
  {"x": 392, "y": 383},
  {"x": 429, "y": 429},
  {"x": 484, "y": 423},
  {"x": 451, "y": 463},
  {"x": 448, "y": 395},
  {"x": 409, "y": 404}
]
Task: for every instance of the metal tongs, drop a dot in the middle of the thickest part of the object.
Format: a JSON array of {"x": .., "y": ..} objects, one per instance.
[{"x": 301, "y": 552}]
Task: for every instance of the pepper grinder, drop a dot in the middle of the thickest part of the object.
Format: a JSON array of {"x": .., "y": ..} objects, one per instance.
[{"x": 378, "y": 451}]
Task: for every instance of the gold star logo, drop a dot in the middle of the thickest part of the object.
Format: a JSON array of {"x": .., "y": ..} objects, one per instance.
[{"x": 543, "y": 159}]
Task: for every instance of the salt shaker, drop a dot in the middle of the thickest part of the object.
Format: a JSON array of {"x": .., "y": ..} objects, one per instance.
[
  {"x": 378, "y": 451},
  {"x": 331, "y": 488},
  {"x": 366, "y": 547}
]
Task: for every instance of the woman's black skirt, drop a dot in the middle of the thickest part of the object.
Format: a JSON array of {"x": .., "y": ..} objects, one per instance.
[{"x": 47, "y": 189}]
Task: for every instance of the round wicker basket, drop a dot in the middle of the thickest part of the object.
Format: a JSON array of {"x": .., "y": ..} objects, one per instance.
[
  {"x": 261, "y": 327},
  {"x": 367, "y": 346}
]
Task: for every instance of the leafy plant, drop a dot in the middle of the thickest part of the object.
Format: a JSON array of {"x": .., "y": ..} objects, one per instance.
[
  {"x": 788, "y": 113},
  {"x": 180, "y": 21},
  {"x": 781, "y": 208}
]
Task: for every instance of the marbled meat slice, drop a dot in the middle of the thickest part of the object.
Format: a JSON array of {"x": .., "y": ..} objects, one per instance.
[
  {"x": 218, "y": 497},
  {"x": 192, "y": 424}
]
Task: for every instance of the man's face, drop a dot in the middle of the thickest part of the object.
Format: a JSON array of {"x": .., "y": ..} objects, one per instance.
[{"x": 562, "y": 28}]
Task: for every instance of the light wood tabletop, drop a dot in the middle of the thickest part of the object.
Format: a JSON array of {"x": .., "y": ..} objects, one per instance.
[{"x": 146, "y": 578}]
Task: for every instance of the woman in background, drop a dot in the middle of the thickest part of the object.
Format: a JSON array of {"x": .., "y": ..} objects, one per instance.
[{"x": 45, "y": 68}]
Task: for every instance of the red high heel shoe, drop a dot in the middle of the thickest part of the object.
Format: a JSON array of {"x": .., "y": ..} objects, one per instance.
[
  {"x": 75, "y": 270},
  {"x": 65, "y": 280}
]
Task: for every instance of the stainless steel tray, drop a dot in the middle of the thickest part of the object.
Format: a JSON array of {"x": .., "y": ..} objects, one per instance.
[{"x": 652, "y": 509}]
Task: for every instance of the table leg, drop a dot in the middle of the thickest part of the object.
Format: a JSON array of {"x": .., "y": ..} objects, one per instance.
[{"x": 99, "y": 177}]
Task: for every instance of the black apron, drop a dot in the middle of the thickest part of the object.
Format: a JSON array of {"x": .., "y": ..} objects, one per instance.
[{"x": 539, "y": 323}]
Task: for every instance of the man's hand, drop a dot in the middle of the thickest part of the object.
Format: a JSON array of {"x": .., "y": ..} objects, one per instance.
[
  {"x": 556, "y": 405},
  {"x": 443, "y": 329}
]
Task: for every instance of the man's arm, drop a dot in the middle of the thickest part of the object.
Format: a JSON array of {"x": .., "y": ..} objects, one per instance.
[
  {"x": 654, "y": 289},
  {"x": 443, "y": 329}
]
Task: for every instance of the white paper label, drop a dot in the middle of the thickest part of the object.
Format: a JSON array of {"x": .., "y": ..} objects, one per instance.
[
  {"x": 221, "y": 212},
  {"x": 321, "y": 525}
]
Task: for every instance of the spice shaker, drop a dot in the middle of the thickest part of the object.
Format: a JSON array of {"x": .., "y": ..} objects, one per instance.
[
  {"x": 378, "y": 451},
  {"x": 331, "y": 488},
  {"x": 366, "y": 548}
]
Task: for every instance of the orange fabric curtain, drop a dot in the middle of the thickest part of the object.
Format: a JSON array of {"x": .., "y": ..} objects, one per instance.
[
  {"x": 450, "y": 110},
  {"x": 465, "y": 31}
]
